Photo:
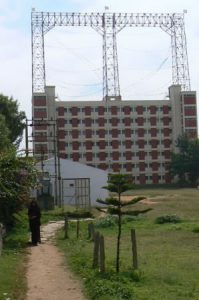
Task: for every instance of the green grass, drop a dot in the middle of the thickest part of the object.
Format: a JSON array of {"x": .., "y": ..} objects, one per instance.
[
  {"x": 52, "y": 215},
  {"x": 167, "y": 253},
  {"x": 12, "y": 262}
]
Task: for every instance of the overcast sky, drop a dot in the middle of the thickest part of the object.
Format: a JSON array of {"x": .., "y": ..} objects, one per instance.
[{"x": 74, "y": 55}]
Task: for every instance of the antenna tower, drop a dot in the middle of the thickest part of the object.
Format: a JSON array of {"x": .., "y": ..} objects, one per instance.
[{"x": 108, "y": 25}]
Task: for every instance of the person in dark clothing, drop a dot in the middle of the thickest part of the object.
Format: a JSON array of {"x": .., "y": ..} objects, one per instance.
[{"x": 34, "y": 215}]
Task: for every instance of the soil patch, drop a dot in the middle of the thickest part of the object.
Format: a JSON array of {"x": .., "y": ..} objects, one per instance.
[
  {"x": 147, "y": 201},
  {"x": 47, "y": 276}
]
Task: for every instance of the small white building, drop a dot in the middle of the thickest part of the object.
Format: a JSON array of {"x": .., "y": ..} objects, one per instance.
[{"x": 77, "y": 182}]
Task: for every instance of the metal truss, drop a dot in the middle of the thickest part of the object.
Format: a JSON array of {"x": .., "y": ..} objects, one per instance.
[
  {"x": 108, "y": 25},
  {"x": 111, "y": 85}
]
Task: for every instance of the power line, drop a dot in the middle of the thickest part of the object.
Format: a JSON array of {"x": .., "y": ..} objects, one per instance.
[
  {"x": 84, "y": 95},
  {"x": 149, "y": 75},
  {"x": 65, "y": 86}
]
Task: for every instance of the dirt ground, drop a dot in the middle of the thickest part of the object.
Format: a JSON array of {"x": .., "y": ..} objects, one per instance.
[
  {"x": 144, "y": 201},
  {"x": 47, "y": 276}
]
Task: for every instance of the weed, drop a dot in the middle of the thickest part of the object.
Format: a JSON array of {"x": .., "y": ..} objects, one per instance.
[{"x": 114, "y": 287}]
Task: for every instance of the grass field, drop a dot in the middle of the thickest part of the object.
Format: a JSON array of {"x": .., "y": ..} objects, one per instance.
[{"x": 167, "y": 253}]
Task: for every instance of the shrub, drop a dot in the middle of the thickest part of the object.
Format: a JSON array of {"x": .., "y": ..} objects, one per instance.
[
  {"x": 110, "y": 288},
  {"x": 105, "y": 222},
  {"x": 17, "y": 176},
  {"x": 79, "y": 214},
  {"x": 196, "y": 230},
  {"x": 167, "y": 219}
]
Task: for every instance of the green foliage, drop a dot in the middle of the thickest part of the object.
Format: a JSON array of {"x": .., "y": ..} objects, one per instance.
[
  {"x": 12, "y": 261},
  {"x": 4, "y": 134},
  {"x": 51, "y": 215},
  {"x": 118, "y": 184},
  {"x": 112, "y": 220},
  {"x": 14, "y": 119},
  {"x": 168, "y": 219},
  {"x": 185, "y": 164},
  {"x": 196, "y": 230},
  {"x": 79, "y": 214},
  {"x": 163, "y": 250},
  {"x": 98, "y": 286},
  {"x": 106, "y": 222},
  {"x": 110, "y": 286},
  {"x": 17, "y": 175}
]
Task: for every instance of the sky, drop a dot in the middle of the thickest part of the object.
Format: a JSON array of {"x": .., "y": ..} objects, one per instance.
[{"x": 73, "y": 56}]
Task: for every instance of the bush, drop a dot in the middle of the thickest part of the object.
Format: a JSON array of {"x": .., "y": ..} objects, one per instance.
[
  {"x": 167, "y": 219},
  {"x": 17, "y": 176},
  {"x": 107, "y": 221},
  {"x": 110, "y": 287},
  {"x": 79, "y": 214},
  {"x": 196, "y": 230}
]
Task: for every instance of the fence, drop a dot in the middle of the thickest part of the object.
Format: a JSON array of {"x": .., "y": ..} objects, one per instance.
[{"x": 99, "y": 248}]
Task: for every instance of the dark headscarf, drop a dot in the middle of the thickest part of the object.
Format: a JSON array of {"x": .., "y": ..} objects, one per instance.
[{"x": 34, "y": 210}]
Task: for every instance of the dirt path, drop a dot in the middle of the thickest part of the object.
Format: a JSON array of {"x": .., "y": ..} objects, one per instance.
[{"x": 47, "y": 276}]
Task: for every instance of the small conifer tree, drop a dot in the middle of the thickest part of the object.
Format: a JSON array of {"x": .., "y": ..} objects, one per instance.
[{"x": 118, "y": 184}]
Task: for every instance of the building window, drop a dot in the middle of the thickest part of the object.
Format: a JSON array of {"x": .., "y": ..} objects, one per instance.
[
  {"x": 39, "y": 109},
  {"x": 40, "y": 133}
]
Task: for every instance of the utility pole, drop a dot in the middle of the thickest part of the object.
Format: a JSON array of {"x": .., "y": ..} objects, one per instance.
[
  {"x": 58, "y": 169},
  {"x": 26, "y": 137},
  {"x": 55, "y": 162},
  {"x": 43, "y": 150}
]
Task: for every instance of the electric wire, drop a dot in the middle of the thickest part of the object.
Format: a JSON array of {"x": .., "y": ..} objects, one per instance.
[{"x": 96, "y": 70}]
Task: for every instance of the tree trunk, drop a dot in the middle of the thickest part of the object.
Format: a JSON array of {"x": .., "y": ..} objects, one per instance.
[
  {"x": 96, "y": 250},
  {"x": 134, "y": 249},
  {"x": 66, "y": 227},
  {"x": 102, "y": 254},
  {"x": 118, "y": 239}
]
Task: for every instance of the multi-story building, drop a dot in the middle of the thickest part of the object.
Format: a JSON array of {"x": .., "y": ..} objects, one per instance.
[{"x": 133, "y": 137}]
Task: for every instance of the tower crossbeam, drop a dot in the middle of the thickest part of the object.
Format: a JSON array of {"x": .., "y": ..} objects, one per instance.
[{"x": 108, "y": 25}]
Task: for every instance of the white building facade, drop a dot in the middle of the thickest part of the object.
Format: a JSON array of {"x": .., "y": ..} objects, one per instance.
[{"x": 80, "y": 185}]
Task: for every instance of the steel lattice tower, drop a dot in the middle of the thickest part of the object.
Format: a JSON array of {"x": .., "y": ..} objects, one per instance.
[{"x": 108, "y": 25}]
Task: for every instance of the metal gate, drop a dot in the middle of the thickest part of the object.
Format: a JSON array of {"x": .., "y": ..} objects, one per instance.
[{"x": 76, "y": 192}]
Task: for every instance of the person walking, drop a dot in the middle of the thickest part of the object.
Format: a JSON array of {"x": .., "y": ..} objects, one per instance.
[{"x": 34, "y": 215}]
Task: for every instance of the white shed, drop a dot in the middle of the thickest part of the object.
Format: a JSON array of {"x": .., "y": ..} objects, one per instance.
[{"x": 71, "y": 172}]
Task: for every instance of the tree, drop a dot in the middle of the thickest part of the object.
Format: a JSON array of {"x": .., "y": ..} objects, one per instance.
[
  {"x": 17, "y": 176},
  {"x": 185, "y": 163},
  {"x": 14, "y": 119},
  {"x": 118, "y": 184},
  {"x": 4, "y": 134}
]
